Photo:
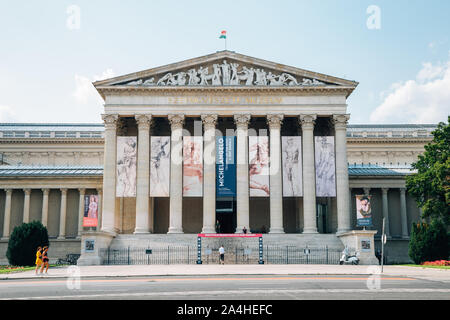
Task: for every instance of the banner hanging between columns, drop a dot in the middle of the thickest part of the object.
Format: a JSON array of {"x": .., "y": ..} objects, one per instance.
[{"x": 226, "y": 166}]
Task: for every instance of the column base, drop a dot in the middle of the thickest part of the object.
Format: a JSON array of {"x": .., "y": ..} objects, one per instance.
[
  {"x": 276, "y": 230},
  {"x": 175, "y": 231},
  {"x": 4, "y": 238},
  {"x": 61, "y": 238},
  {"x": 208, "y": 230},
  {"x": 310, "y": 231},
  {"x": 141, "y": 231}
]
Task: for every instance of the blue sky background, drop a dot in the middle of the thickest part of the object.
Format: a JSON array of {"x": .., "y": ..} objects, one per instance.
[{"x": 46, "y": 68}]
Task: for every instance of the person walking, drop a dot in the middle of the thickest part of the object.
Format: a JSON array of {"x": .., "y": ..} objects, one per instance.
[
  {"x": 222, "y": 255},
  {"x": 38, "y": 259},
  {"x": 45, "y": 260}
]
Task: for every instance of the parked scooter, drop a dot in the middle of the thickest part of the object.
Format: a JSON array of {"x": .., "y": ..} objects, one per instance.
[{"x": 346, "y": 258}]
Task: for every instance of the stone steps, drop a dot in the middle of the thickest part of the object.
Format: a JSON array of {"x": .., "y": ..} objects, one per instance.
[{"x": 281, "y": 240}]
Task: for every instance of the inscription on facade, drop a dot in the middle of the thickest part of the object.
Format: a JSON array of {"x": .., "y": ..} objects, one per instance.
[{"x": 225, "y": 100}]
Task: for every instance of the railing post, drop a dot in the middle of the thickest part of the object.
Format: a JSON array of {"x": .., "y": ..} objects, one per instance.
[
  {"x": 168, "y": 254},
  {"x": 287, "y": 254},
  {"x": 128, "y": 255},
  {"x": 108, "y": 256},
  {"x": 327, "y": 254}
]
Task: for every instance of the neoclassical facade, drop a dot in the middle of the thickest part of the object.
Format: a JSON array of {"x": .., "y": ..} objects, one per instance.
[{"x": 48, "y": 169}]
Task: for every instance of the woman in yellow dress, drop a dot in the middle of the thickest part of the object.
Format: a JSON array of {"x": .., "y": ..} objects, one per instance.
[{"x": 38, "y": 259}]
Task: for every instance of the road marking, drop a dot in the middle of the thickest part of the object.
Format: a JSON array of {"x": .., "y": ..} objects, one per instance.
[
  {"x": 150, "y": 280},
  {"x": 233, "y": 292}
]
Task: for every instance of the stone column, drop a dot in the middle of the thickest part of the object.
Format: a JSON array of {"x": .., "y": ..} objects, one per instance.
[
  {"x": 100, "y": 209},
  {"x": 309, "y": 176},
  {"x": 209, "y": 173},
  {"x": 7, "y": 217},
  {"x": 176, "y": 174},
  {"x": 143, "y": 174},
  {"x": 82, "y": 192},
  {"x": 45, "y": 193},
  {"x": 63, "y": 214},
  {"x": 386, "y": 210},
  {"x": 109, "y": 173},
  {"x": 26, "y": 205},
  {"x": 242, "y": 192},
  {"x": 276, "y": 185},
  {"x": 403, "y": 213},
  {"x": 342, "y": 184}
]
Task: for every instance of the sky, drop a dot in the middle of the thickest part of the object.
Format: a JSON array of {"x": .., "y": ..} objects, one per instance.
[{"x": 52, "y": 51}]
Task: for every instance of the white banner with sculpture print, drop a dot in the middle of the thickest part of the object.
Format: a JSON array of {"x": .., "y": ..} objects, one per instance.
[
  {"x": 292, "y": 166},
  {"x": 258, "y": 148},
  {"x": 193, "y": 166},
  {"x": 325, "y": 166},
  {"x": 126, "y": 166},
  {"x": 160, "y": 166}
]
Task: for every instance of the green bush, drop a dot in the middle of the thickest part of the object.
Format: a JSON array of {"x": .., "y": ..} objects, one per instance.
[
  {"x": 24, "y": 241},
  {"x": 429, "y": 242}
]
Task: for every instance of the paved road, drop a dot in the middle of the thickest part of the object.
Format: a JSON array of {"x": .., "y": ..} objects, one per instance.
[{"x": 227, "y": 287}]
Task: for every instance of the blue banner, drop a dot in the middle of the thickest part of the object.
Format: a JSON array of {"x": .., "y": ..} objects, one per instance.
[{"x": 226, "y": 166}]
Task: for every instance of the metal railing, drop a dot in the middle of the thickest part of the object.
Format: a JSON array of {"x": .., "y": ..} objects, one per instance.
[{"x": 238, "y": 255}]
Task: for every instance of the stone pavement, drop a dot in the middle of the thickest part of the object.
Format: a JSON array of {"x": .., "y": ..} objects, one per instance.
[{"x": 205, "y": 270}]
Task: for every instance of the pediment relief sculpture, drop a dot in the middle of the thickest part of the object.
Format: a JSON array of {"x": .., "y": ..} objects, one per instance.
[{"x": 226, "y": 74}]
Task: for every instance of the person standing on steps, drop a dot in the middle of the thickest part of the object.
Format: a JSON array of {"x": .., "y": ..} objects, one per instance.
[
  {"x": 222, "y": 255},
  {"x": 217, "y": 226}
]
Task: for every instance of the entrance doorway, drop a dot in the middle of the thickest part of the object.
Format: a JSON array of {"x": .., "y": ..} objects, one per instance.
[
  {"x": 322, "y": 217},
  {"x": 226, "y": 215}
]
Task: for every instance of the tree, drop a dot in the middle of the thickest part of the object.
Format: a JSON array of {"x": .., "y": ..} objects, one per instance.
[
  {"x": 430, "y": 186},
  {"x": 429, "y": 242},
  {"x": 24, "y": 241}
]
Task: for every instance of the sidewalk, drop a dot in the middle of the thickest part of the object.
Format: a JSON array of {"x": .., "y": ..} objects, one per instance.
[{"x": 205, "y": 270}]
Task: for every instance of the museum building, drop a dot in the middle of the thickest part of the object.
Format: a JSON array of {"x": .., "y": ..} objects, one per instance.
[{"x": 213, "y": 144}]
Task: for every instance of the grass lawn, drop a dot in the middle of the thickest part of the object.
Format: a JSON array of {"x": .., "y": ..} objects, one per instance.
[
  {"x": 421, "y": 266},
  {"x": 12, "y": 269}
]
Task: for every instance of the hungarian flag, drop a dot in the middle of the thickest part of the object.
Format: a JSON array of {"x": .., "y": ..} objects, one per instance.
[{"x": 223, "y": 35}]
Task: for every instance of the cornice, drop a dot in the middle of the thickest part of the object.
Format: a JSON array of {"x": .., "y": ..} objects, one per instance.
[
  {"x": 178, "y": 90},
  {"x": 52, "y": 140},
  {"x": 380, "y": 140}
]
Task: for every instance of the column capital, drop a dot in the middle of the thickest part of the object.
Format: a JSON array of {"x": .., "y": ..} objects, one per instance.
[
  {"x": 143, "y": 121},
  {"x": 209, "y": 120},
  {"x": 385, "y": 190},
  {"x": 275, "y": 120},
  {"x": 307, "y": 121},
  {"x": 82, "y": 191},
  {"x": 110, "y": 121},
  {"x": 242, "y": 120},
  {"x": 340, "y": 121},
  {"x": 402, "y": 190},
  {"x": 99, "y": 191},
  {"x": 27, "y": 191},
  {"x": 8, "y": 190},
  {"x": 366, "y": 191},
  {"x": 176, "y": 121},
  {"x": 63, "y": 191},
  {"x": 45, "y": 191}
]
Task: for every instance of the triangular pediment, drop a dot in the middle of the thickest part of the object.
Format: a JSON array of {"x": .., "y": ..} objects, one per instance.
[{"x": 225, "y": 69}]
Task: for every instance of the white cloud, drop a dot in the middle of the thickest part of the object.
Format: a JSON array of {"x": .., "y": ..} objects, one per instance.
[
  {"x": 85, "y": 91},
  {"x": 425, "y": 99},
  {"x": 7, "y": 114}
]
